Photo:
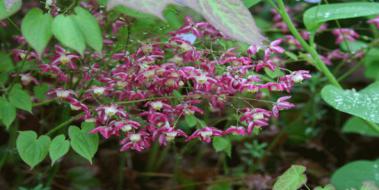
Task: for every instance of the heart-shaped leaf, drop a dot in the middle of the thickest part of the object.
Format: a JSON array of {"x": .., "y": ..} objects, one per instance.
[
  {"x": 89, "y": 28},
  {"x": 315, "y": 16},
  {"x": 20, "y": 98},
  {"x": 84, "y": 143},
  {"x": 292, "y": 179},
  {"x": 59, "y": 147},
  {"x": 231, "y": 17},
  {"x": 222, "y": 144},
  {"x": 363, "y": 104},
  {"x": 359, "y": 126},
  {"x": 7, "y": 112},
  {"x": 32, "y": 150},
  {"x": 36, "y": 28},
  {"x": 354, "y": 174},
  {"x": 68, "y": 33},
  {"x": 9, "y": 7}
]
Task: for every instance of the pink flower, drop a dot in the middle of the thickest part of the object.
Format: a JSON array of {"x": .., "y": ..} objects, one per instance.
[
  {"x": 62, "y": 57},
  {"x": 205, "y": 134},
  {"x": 374, "y": 21},
  {"x": 235, "y": 130},
  {"x": 136, "y": 141},
  {"x": 104, "y": 113},
  {"x": 167, "y": 134},
  {"x": 257, "y": 117},
  {"x": 282, "y": 104},
  {"x": 345, "y": 34}
]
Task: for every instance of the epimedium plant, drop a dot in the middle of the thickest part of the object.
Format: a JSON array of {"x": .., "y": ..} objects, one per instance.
[{"x": 165, "y": 90}]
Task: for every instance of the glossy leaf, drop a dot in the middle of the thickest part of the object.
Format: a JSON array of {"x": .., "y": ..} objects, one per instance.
[
  {"x": 315, "y": 16},
  {"x": 82, "y": 142},
  {"x": 291, "y": 179},
  {"x": 20, "y": 98},
  {"x": 89, "y": 28},
  {"x": 36, "y": 28},
  {"x": 359, "y": 126},
  {"x": 32, "y": 150},
  {"x": 68, "y": 33},
  {"x": 59, "y": 147},
  {"x": 354, "y": 174},
  {"x": 363, "y": 104},
  {"x": 7, "y": 112},
  {"x": 9, "y": 7}
]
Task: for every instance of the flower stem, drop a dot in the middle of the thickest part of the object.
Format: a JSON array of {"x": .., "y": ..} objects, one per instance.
[
  {"x": 320, "y": 65},
  {"x": 64, "y": 124}
]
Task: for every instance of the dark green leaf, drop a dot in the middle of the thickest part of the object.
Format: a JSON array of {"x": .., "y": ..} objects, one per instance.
[
  {"x": 354, "y": 174},
  {"x": 315, "y": 16}
]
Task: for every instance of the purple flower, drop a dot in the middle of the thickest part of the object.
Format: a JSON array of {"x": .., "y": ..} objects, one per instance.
[
  {"x": 282, "y": 104},
  {"x": 205, "y": 134}
]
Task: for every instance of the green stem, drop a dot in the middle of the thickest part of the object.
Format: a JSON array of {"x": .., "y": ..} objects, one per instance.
[
  {"x": 311, "y": 50},
  {"x": 64, "y": 124}
]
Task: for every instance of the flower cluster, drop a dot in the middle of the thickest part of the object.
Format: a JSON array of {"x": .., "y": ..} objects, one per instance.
[{"x": 140, "y": 96}]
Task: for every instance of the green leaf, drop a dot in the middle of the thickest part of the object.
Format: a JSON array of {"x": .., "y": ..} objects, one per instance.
[
  {"x": 6, "y": 64},
  {"x": 68, "y": 33},
  {"x": 231, "y": 17},
  {"x": 292, "y": 179},
  {"x": 59, "y": 147},
  {"x": 36, "y": 28},
  {"x": 359, "y": 126},
  {"x": 9, "y": 7},
  {"x": 363, "y": 104},
  {"x": 315, "y": 16},
  {"x": 171, "y": 16},
  {"x": 20, "y": 98},
  {"x": 84, "y": 143},
  {"x": 369, "y": 185},
  {"x": 371, "y": 61},
  {"x": 327, "y": 187},
  {"x": 250, "y": 3},
  {"x": 89, "y": 28},
  {"x": 7, "y": 112},
  {"x": 222, "y": 144},
  {"x": 40, "y": 91},
  {"x": 353, "y": 46},
  {"x": 32, "y": 150},
  {"x": 354, "y": 174},
  {"x": 191, "y": 120}
]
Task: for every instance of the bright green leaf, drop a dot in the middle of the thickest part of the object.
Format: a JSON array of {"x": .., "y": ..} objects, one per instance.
[
  {"x": 32, "y": 150},
  {"x": 291, "y": 179},
  {"x": 222, "y": 144},
  {"x": 191, "y": 120},
  {"x": 20, "y": 98},
  {"x": 363, "y": 104},
  {"x": 59, "y": 147},
  {"x": 359, "y": 126},
  {"x": 353, "y": 46},
  {"x": 84, "y": 143},
  {"x": 354, "y": 174},
  {"x": 68, "y": 33},
  {"x": 9, "y": 7},
  {"x": 7, "y": 112},
  {"x": 89, "y": 28},
  {"x": 36, "y": 28}
]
